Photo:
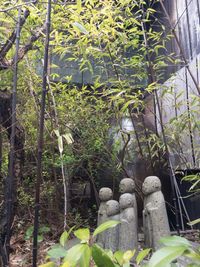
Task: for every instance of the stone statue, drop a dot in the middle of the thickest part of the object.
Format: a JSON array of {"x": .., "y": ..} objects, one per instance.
[
  {"x": 155, "y": 220},
  {"x": 105, "y": 194},
  {"x": 112, "y": 234},
  {"x": 128, "y": 239},
  {"x": 127, "y": 185}
]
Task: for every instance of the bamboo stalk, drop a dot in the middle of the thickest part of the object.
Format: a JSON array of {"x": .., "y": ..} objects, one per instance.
[
  {"x": 41, "y": 137},
  {"x": 10, "y": 190}
]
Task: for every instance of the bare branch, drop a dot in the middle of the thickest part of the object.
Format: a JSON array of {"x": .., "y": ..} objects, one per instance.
[{"x": 9, "y": 43}]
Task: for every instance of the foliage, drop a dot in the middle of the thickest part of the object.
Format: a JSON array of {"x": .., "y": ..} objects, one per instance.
[
  {"x": 87, "y": 251},
  {"x": 42, "y": 230}
]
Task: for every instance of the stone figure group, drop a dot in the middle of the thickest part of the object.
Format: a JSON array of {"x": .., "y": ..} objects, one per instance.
[{"x": 125, "y": 235}]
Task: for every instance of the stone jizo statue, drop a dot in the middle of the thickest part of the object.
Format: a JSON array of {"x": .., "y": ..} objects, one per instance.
[
  {"x": 155, "y": 220},
  {"x": 105, "y": 194},
  {"x": 112, "y": 234},
  {"x": 128, "y": 239},
  {"x": 127, "y": 185}
]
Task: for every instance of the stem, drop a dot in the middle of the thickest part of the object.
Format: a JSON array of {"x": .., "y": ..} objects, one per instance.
[
  {"x": 41, "y": 137},
  {"x": 11, "y": 186}
]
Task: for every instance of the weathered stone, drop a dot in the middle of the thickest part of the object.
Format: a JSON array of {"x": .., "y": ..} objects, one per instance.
[
  {"x": 105, "y": 194},
  {"x": 127, "y": 185},
  {"x": 155, "y": 220},
  {"x": 112, "y": 234},
  {"x": 128, "y": 239}
]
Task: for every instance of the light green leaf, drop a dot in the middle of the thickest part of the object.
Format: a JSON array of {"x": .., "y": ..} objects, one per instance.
[
  {"x": 128, "y": 255},
  {"x": 172, "y": 241},
  {"x": 194, "y": 222},
  {"x": 79, "y": 5},
  {"x": 105, "y": 226},
  {"x": 83, "y": 234},
  {"x": 164, "y": 256},
  {"x": 75, "y": 253},
  {"x": 85, "y": 258},
  {"x": 142, "y": 254},
  {"x": 63, "y": 238},
  {"x": 57, "y": 133},
  {"x": 118, "y": 255},
  {"x": 57, "y": 252},
  {"x": 80, "y": 27}
]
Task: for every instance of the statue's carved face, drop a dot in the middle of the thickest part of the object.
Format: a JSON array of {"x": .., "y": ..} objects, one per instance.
[
  {"x": 127, "y": 185},
  {"x": 126, "y": 201},
  {"x": 151, "y": 184},
  {"x": 105, "y": 194},
  {"x": 112, "y": 207}
]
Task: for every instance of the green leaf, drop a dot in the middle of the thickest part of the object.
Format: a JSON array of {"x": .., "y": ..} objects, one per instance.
[
  {"x": 29, "y": 233},
  {"x": 75, "y": 253},
  {"x": 100, "y": 257},
  {"x": 142, "y": 254},
  {"x": 105, "y": 226},
  {"x": 118, "y": 255},
  {"x": 83, "y": 234},
  {"x": 79, "y": 5},
  {"x": 164, "y": 256},
  {"x": 194, "y": 222},
  {"x": 86, "y": 257},
  {"x": 80, "y": 27},
  {"x": 172, "y": 241},
  {"x": 63, "y": 238},
  {"x": 57, "y": 252},
  {"x": 128, "y": 255}
]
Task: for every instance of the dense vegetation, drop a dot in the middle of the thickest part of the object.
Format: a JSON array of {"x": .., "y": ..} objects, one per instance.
[{"x": 106, "y": 58}]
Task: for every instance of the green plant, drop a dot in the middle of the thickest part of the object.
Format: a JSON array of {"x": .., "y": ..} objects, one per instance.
[
  {"x": 88, "y": 253},
  {"x": 42, "y": 230}
]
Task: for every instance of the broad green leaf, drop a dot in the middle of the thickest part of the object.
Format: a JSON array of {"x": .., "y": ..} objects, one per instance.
[
  {"x": 142, "y": 254},
  {"x": 80, "y": 27},
  {"x": 118, "y": 255},
  {"x": 86, "y": 257},
  {"x": 194, "y": 222},
  {"x": 48, "y": 264},
  {"x": 128, "y": 255},
  {"x": 100, "y": 257},
  {"x": 83, "y": 234},
  {"x": 164, "y": 256},
  {"x": 57, "y": 252},
  {"x": 63, "y": 238},
  {"x": 172, "y": 241},
  {"x": 105, "y": 226},
  {"x": 75, "y": 253}
]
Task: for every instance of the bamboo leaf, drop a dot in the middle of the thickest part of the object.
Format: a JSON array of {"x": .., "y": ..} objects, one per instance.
[{"x": 80, "y": 27}]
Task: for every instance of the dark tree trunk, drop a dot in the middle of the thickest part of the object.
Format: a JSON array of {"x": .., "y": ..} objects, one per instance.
[{"x": 5, "y": 122}]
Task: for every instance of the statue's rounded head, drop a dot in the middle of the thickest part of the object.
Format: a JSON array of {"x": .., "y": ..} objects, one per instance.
[
  {"x": 127, "y": 185},
  {"x": 126, "y": 201},
  {"x": 105, "y": 194},
  {"x": 112, "y": 207},
  {"x": 151, "y": 184}
]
